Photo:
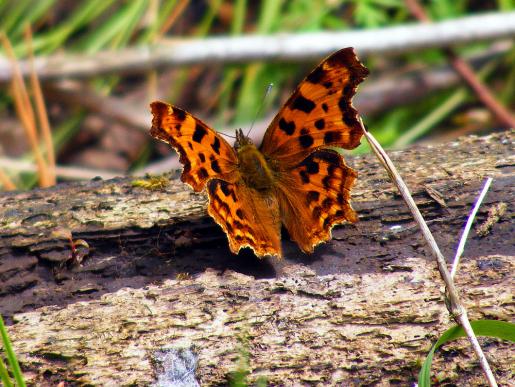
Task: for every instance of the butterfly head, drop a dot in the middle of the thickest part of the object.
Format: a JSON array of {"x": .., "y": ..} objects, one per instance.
[{"x": 241, "y": 140}]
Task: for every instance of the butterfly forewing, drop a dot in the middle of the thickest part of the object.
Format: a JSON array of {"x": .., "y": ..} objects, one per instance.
[
  {"x": 319, "y": 113},
  {"x": 203, "y": 153}
]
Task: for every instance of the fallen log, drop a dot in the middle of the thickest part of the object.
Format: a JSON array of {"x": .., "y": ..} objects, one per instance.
[{"x": 158, "y": 281}]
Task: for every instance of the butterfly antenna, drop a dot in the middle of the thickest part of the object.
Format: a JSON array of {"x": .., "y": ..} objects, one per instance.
[
  {"x": 267, "y": 93},
  {"x": 228, "y": 135}
]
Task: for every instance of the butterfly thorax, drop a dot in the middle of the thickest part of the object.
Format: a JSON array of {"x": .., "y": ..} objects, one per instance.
[{"x": 254, "y": 169}]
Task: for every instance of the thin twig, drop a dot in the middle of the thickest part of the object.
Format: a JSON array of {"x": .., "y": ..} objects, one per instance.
[
  {"x": 454, "y": 304},
  {"x": 468, "y": 226},
  {"x": 384, "y": 93},
  {"x": 407, "y": 87},
  {"x": 67, "y": 173},
  {"x": 279, "y": 47},
  {"x": 467, "y": 74},
  {"x": 481, "y": 90},
  {"x": 114, "y": 108}
]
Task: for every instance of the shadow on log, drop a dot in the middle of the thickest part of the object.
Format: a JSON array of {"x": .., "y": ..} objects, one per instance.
[{"x": 363, "y": 309}]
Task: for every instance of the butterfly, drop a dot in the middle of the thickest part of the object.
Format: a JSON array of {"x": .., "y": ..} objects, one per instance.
[{"x": 294, "y": 178}]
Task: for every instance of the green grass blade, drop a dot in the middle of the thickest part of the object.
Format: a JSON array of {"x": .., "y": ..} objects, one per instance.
[
  {"x": 4, "y": 375},
  {"x": 11, "y": 356},
  {"x": 35, "y": 11},
  {"x": 12, "y": 15},
  {"x": 490, "y": 328}
]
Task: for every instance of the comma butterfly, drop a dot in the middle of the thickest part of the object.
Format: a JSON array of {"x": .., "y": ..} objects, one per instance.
[{"x": 294, "y": 178}]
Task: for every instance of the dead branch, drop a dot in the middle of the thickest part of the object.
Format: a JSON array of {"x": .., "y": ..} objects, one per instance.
[{"x": 283, "y": 47}]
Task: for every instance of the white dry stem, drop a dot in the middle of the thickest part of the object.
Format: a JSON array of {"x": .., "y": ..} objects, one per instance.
[
  {"x": 468, "y": 226},
  {"x": 281, "y": 47},
  {"x": 455, "y": 307},
  {"x": 63, "y": 172}
]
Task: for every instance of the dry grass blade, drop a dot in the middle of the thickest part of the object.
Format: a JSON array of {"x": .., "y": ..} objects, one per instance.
[
  {"x": 41, "y": 110},
  {"x": 177, "y": 11},
  {"x": 468, "y": 226},
  {"x": 6, "y": 182},
  {"x": 25, "y": 112},
  {"x": 454, "y": 304}
]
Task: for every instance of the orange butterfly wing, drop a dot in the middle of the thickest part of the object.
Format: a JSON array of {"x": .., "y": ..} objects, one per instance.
[
  {"x": 203, "y": 153},
  {"x": 319, "y": 113},
  {"x": 313, "y": 182}
]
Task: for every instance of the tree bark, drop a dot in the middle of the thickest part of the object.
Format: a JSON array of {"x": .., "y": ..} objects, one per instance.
[{"x": 158, "y": 281}]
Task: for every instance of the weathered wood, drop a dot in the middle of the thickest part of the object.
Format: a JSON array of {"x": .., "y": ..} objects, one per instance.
[
  {"x": 371, "y": 328},
  {"x": 363, "y": 309}
]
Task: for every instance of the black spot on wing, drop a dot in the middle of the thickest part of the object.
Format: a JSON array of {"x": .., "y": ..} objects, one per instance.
[
  {"x": 331, "y": 169},
  {"x": 326, "y": 181},
  {"x": 320, "y": 124},
  {"x": 306, "y": 141},
  {"x": 316, "y": 75},
  {"x": 348, "y": 113},
  {"x": 325, "y": 108},
  {"x": 332, "y": 136},
  {"x": 313, "y": 196},
  {"x": 287, "y": 127},
  {"x": 224, "y": 186},
  {"x": 240, "y": 214},
  {"x": 329, "y": 156},
  {"x": 179, "y": 114},
  {"x": 202, "y": 157},
  {"x": 328, "y": 84},
  {"x": 304, "y": 177},
  {"x": 199, "y": 133},
  {"x": 303, "y": 104},
  {"x": 348, "y": 91},
  {"x": 216, "y": 146},
  {"x": 211, "y": 186},
  {"x": 215, "y": 167},
  {"x": 311, "y": 166},
  {"x": 202, "y": 173},
  {"x": 327, "y": 203}
]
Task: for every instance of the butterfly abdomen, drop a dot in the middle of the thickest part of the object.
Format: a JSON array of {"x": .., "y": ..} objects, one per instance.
[{"x": 254, "y": 168}]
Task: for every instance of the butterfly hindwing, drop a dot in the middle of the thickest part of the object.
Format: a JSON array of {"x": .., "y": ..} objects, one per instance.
[
  {"x": 315, "y": 196},
  {"x": 319, "y": 113},
  {"x": 248, "y": 218},
  {"x": 203, "y": 153}
]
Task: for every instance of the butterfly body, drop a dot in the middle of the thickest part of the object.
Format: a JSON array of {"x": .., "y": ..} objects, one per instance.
[
  {"x": 254, "y": 168},
  {"x": 294, "y": 178}
]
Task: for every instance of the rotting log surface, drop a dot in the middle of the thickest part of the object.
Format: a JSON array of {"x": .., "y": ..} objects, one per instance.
[{"x": 362, "y": 310}]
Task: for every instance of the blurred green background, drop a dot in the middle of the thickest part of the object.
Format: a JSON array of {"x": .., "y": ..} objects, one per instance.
[{"x": 225, "y": 96}]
